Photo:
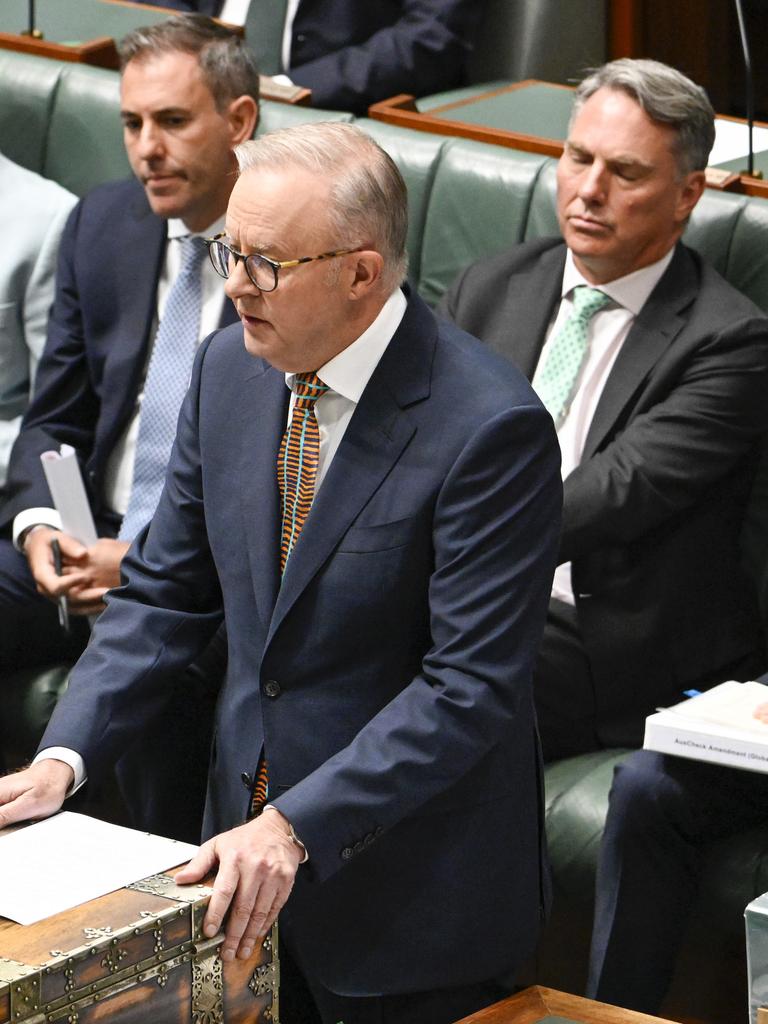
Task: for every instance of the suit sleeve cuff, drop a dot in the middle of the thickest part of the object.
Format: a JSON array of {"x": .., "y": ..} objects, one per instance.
[
  {"x": 70, "y": 757},
  {"x": 34, "y": 517}
]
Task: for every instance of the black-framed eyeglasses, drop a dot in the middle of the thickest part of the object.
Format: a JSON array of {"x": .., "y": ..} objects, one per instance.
[{"x": 262, "y": 271}]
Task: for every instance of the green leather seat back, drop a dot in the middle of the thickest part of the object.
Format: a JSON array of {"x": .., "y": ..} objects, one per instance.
[
  {"x": 710, "y": 229},
  {"x": 417, "y": 155},
  {"x": 747, "y": 266},
  {"x": 542, "y": 221},
  {"x": 274, "y": 115},
  {"x": 27, "y": 91},
  {"x": 478, "y": 206},
  {"x": 85, "y": 136}
]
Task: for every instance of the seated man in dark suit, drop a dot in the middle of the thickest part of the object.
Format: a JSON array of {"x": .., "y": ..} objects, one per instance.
[
  {"x": 351, "y": 53},
  {"x": 655, "y": 371},
  {"x": 371, "y": 499},
  {"x": 129, "y": 311}
]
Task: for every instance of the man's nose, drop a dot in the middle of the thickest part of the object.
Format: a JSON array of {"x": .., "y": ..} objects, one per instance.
[
  {"x": 238, "y": 283},
  {"x": 593, "y": 182},
  {"x": 149, "y": 142}
]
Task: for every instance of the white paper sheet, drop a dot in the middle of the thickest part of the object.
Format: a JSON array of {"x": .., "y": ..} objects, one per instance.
[
  {"x": 62, "y": 471},
  {"x": 732, "y": 141},
  {"x": 68, "y": 859},
  {"x": 730, "y": 704}
]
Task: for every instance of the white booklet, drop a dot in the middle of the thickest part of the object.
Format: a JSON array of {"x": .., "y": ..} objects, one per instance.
[
  {"x": 68, "y": 859},
  {"x": 717, "y": 726},
  {"x": 62, "y": 471}
]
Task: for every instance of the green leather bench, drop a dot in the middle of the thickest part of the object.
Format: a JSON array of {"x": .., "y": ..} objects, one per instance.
[{"x": 467, "y": 200}]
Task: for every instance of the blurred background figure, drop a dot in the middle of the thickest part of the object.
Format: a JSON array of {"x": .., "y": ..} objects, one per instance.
[{"x": 32, "y": 215}]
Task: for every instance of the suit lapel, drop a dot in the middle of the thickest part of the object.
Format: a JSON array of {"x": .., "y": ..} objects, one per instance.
[
  {"x": 532, "y": 295},
  {"x": 654, "y": 330},
  {"x": 378, "y": 432},
  {"x": 263, "y": 415}
]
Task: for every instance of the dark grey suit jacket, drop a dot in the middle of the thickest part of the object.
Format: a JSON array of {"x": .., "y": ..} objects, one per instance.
[{"x": 653, "y": 514}]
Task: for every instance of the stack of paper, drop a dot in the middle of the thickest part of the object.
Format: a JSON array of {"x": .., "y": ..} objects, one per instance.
[{"x": 717, "y": 726}]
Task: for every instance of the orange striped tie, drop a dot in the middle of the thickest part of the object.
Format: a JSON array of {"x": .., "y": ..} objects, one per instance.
[{"x": 297, "y": 462}]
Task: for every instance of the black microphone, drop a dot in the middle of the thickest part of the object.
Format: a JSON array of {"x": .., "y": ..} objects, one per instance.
[{"x": 750, "y": 82}]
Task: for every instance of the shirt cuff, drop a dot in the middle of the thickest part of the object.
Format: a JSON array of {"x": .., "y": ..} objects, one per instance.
[
  {"x": 70, "y": 757},
  {"x": 34, "y": 517}
]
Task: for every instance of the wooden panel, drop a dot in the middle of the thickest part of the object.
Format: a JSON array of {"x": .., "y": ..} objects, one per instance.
[{"x": 533, "y": 1004}]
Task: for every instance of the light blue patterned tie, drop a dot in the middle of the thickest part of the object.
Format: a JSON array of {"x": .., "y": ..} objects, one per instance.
[
  {"x": 170, "y": 367},
  {"x": 556, "y": 383}
]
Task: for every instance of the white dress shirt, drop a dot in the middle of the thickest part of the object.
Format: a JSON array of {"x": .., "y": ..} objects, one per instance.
[
  {"x": 119, "y": 469},
  {"x": 236, "y": 11},
  {"x": 347, "y": 375},
  {"x": 607, "y": 332}
]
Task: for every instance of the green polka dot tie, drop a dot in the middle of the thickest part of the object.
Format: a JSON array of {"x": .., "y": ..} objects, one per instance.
[{"x": 556, "y": 383}]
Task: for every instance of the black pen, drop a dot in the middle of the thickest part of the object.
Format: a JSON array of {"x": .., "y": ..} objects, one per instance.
[{"x": 62, "y": 601}]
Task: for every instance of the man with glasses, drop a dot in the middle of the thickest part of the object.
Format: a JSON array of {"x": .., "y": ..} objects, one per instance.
[
  {"x": 371, "y": 500},
  {"x": 134, "y": 295}
]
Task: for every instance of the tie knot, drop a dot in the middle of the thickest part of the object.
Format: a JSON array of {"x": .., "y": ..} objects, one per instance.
[
  {"x": 308, "y": 388},
  {"x": 588, "y": 301},
  {"x": 193, "y": 253}
]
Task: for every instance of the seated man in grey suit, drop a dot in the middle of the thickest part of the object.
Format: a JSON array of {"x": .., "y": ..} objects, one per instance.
[
  {"x": 655, "y": 371},
  {"x": 32, "y": 214}
]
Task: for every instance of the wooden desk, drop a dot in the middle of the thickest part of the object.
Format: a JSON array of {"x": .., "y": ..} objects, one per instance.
[
  {"x": 529, "y": 115},
  {"x": 539, "y": 1005}
]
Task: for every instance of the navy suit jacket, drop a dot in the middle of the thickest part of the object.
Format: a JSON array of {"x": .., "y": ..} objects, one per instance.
[
  {"x": 652, "y": 515},
  {"x": 388, "y": 677},
  {"x": 110, "y": 260},
  {"x": 351, "y": 53}
]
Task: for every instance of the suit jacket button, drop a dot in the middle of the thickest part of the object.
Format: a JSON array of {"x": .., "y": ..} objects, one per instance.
[
  {"x": 347, "y": 852},
  {"x": 272, "y": 688},
  {"x": 246, "y": 780}
]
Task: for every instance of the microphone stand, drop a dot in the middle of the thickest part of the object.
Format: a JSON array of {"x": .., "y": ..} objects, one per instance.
[
  {"x": 32, "y": 30},
  {"x": 750, "y": 89}
]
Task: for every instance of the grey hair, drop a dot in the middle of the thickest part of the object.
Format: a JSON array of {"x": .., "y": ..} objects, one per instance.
[
  {"x": 228, "y": 67},
  {"x": 368, "y": 198},
  {"x": 667, "y": 96}
]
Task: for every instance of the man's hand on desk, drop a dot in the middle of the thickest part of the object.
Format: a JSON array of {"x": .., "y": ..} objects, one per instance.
[
  {"x": 35, "y": 792},
  {"x": 86, "y": 574},
  {"x": 257, "y": 865}
]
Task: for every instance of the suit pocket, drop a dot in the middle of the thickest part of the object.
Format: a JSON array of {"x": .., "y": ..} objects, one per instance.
[{"x": 381, "y": 537}]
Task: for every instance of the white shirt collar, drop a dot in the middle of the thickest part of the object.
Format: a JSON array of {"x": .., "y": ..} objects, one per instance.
[
  {"x": 350, "y": 370},
  {"x": 178, "y": 229},
  {"x": 631, "y": 291}
]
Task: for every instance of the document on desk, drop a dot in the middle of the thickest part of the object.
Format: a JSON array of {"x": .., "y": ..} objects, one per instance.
[
  {"x": 58, "y": 863},
  {"x": 65, "y": 481}
]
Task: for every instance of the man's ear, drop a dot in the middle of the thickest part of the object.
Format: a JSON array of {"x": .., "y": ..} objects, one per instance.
[
  {"x": 691, "y": 191},
  {"x": 243, "y": 116},
  {"x": 368, "y": 266}
]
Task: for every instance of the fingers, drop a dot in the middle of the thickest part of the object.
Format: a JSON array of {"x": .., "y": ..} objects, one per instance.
[
  {"x": 201, "y": 864},
  {"x": 71, "y": 550},
  {"x": 257, "y": 867},
  {"x": 35, "y": 792}
]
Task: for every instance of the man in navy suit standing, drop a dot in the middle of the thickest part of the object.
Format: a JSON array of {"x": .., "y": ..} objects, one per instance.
[
  {"x": 383, "y": 612},
  {"x": 189, "y": 94}
]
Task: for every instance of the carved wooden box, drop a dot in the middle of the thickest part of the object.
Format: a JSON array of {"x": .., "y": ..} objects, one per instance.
[{"x": 135, "y": 955}]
